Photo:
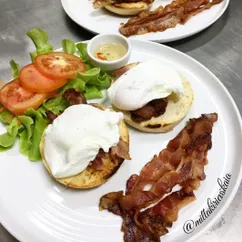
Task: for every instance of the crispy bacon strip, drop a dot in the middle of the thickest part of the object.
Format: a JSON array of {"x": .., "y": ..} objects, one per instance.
[
  {"x": 132, "y": 233},
  {"x": 97, "y": 163},
  {"x": 74, "y": 97},
  {"x": 119, "y": 72},
  {"x": 121, "y": 150},
  {"x": 156, "y": 219},
  {"x": 110, "y": 202},
  {"x": 178, "y": 12},
  {"x": 181, "y": 162},
  {"x": 154, "y": 108},
  {"x": 183, "y": 159},
  {"x": 51, "y": 116},
  {"x": 152, "y": 223}
]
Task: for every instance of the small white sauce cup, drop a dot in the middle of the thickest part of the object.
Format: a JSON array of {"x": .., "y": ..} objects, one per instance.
[{"x": 101, "y": 39}]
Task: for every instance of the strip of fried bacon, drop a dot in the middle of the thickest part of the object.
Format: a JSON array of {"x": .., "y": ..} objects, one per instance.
[
  {"x": 162, "y": 18},
  {"x": 181, "y": 163},
  {"x": 73, "y": 97},
  {"x": 155, "y": 220},
  {"x": 119, "y": 72},
  {"x": 154, "y": 108},
  {"x": 103, "y": 3},
  {"x": 121, "y": 150}
]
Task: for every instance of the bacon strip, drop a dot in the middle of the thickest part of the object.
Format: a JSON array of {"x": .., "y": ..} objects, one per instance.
[
  {"x": 110, "y": 202},
  {"x": 51, "y": 116},
  {"x": 74, "y": 97},
  {"x": 121, "y": 150},
  {"x": 119, "y": 72},
  {"x": 154, "y": 108},
  {"x": 178, "y": 12},
  {"x": 156, "y": 219},
  {"x": 183, "y": 159},
  {"x": 181, "y": 162}
]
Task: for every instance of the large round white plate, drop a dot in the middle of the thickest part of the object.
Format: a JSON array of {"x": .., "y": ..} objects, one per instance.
[
  {"x": 33, "y": 207},
  {"x": 101, "y": 21}
]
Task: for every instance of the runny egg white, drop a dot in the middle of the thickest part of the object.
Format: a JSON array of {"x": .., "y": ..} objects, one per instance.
[{"x": 143, "y": 83}]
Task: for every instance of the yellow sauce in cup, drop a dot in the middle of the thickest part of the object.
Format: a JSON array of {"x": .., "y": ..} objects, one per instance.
[{"x": 110, "y": 51}]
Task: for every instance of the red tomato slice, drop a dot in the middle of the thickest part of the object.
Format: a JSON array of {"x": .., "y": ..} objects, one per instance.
[
  {"x": 17, "y": 100},
  {"x": 32, "y": 80},
  {"x": 59, "y": 65}
]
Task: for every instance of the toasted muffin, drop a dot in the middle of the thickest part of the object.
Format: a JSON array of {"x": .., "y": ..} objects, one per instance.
[
  {"x": 91, "y": 177},
  {"x": 177, "y": 108},
  {"x": 128, "y": 9}
]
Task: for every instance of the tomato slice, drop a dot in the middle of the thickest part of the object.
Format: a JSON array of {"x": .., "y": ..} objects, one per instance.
[
  {"x": 59, "y": 65},
  {"x": 32, "y": 80},
  {"x": 17, "y": 100}
]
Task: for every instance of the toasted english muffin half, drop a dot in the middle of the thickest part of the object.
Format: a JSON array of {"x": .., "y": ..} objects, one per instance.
[
  {"x": 128, "y": 9},
  {"x": 91, "y": 177},
  {"x": 176, "y": 110}
]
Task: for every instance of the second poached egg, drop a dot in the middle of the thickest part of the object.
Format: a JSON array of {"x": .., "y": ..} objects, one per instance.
[{"x": 143, "y": 83}]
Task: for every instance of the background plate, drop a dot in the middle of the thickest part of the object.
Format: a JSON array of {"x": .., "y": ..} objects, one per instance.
[
  {"x": 33, "y": 207},
  {"x": 102, "y": 21}
]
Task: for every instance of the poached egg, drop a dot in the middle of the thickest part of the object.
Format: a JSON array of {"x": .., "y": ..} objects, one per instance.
[
  {"x": 76, "y": 136},
  {"x": 143, "y": 83}
]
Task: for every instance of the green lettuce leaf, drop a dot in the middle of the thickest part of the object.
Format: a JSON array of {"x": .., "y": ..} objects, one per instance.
[
  {"x": 96, "y": 77},
  {"x": 76, "y": 83},
  {"x": 82, "y": 47},
  {"x": 56, "y": 104},
  {"x": 69, "y": 46},
  {"x": 92, "y": 92},
  {"x": 91, "y": 74},
  {"x": 103, "y": 81},
  {"x": 15, "y": 68},
  {"x": 40, "y": 123},
  {"x": 24, "y": 143},
  {"x": 8, "y": 139},
  {"x": 13, "y": 127},
  {"x": 42, "y": 110},
  {"x": 2, "y": 149},
  {"x": 89, "y": 66},
  {"x": 41, "y": 42},
  {"x": 6, "y": 117},
  {"x": 28, "y": 123}
]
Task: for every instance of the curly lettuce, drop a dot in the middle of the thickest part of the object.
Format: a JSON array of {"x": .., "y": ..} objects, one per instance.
[
  {"x": 41, "y": 42},
  {"x": 15, "y": 68}
]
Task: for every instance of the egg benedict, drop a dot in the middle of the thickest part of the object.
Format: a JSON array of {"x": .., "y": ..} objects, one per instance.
[
  {"x": 153, "y": 97},
  {"x": 124, "y": 7},
  {"x": 85, "y": 145}
]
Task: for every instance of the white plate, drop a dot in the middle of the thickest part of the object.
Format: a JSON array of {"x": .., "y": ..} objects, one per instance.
[
  {"x": 34, "y": 208},
  {"x": 101, "y": 21}
]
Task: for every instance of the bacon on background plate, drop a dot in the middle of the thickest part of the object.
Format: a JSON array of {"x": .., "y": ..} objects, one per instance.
[{"x": 162, "y": 18}]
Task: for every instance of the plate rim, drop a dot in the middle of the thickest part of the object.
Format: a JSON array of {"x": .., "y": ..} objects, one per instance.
[
  {"x": 234, "y": 189},
  {"x": 158, "y": 40}
]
